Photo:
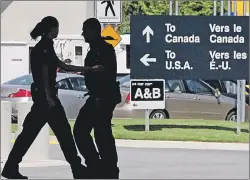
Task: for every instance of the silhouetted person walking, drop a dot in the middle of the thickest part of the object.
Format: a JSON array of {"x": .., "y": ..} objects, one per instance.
[
  {"x": 97, "y": 112},
  {"x": 109, "y": 6},
  {"x": 47, "y": 107}
]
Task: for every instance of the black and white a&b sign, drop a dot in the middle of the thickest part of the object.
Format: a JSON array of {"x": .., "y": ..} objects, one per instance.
[{"x": 147, "y": 93}]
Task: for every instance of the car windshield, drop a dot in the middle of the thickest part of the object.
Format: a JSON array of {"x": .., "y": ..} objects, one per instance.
[
  {"x": 23, "y": 80},
  {"x": 125, "y": 81}
]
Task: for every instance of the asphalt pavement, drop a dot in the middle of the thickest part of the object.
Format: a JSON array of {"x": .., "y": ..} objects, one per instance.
[{"x": 161, "y": 163}]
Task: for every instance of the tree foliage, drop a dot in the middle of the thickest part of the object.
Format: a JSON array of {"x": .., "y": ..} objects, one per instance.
[{"x": 185, "y": 8}]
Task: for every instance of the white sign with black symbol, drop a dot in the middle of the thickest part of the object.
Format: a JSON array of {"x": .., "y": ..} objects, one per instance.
[
  {"x": 108, "y": 11},
  {"x": 147, "y": 94}
]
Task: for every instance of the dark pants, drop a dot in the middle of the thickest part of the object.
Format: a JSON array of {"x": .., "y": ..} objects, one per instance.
[
  {"x": 39, "y": 115},
  {"x": 96, "y": 115}
]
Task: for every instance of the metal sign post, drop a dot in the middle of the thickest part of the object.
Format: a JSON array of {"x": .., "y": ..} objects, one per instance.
[
  {"x": 147, "y": 121},
  {"x": 238, "y": 106},
  {"x": 241, "y": 85},
  {"x": 239, "y": 97},
  {"x": 239, "y": 88}
]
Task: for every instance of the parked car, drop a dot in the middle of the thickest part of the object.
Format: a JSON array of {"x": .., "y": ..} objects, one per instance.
[
  {"x": 220, "y": 85},
  {"x": 71, "y": 92},
  {"x": 189, "y": 99}
]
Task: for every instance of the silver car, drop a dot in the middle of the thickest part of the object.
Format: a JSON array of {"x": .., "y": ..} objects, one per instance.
[
  {"x": 185, "y": 99},
  {"x": 71, "y": 91}
]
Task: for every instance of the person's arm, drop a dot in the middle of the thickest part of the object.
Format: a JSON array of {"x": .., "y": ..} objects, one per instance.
[
  {"x": 48, "y": 94},
  {"x": 72, "y": 68},
  {"x": 82, "y": 69},
  {"x": 45, "y": 77},
  {"x": 46, "y": 60}
]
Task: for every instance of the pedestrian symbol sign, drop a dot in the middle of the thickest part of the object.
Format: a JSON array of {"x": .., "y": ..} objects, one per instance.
[
  {"x": 108, "y": 11},
  {"x": 109, "y": 5},
  {"x": 111, "y": 36}
]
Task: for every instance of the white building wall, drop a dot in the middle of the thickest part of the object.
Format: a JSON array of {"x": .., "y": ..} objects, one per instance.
[
  {"x": 14, "y": 60},
  {"x": 21, "y": 17},
  {"x": 65, "y": 48}
]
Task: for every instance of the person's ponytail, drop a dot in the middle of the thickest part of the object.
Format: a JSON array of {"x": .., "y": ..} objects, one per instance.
[
  {"x": 37, "y": 31},
  {"x": 44, "y": 27}
]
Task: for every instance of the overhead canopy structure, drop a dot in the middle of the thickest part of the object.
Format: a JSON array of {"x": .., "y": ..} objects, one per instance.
[{"x": 4, "y": 5}]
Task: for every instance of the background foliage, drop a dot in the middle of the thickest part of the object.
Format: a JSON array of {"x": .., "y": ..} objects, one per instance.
[{"x": 186, "y": 7}]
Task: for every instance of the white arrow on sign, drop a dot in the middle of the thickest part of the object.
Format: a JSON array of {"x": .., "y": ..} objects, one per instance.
[
  {"x": 145, "y": 59},
  {"x": 148, "y": 31}
]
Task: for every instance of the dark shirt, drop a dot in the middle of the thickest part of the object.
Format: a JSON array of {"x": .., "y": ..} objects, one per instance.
[
  {"x": 44, "y": 54},
  {"x": 101, "y": 84}
]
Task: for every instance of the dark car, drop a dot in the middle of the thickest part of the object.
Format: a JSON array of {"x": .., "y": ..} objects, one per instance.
[{"x": 220, "y": 85}]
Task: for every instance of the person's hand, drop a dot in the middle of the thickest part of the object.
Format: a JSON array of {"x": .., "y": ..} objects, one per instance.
[
  {"x": 98, "y": 68},
  {"x": 50, "y": 101}
]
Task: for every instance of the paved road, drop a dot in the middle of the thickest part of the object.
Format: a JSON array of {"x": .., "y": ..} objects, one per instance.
[{"x": 137, "y": 163}]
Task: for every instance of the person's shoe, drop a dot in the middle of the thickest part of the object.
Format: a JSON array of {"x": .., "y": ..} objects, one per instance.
[
  {"x": 9, "y": 174},
  {"x": 80, "y": 172},
  {"x": 11, "y": 171}
]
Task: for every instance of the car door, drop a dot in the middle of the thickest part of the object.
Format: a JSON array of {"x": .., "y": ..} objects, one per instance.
[
  {"x": 79, "y": 90},
  {"x": 217, "y": 84},
  {"x": 177, "y": 101},
  {"x": 204, "y": 105},
  {"x": 67, "y": 98}
]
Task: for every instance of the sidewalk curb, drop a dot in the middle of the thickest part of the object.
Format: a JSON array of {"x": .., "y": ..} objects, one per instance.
[
  {"x": 39, "y": 163},
  {"x": 183, "y": 145},
  {"x": 52, "y": 142},
  {"x": 173, "y": 144}
]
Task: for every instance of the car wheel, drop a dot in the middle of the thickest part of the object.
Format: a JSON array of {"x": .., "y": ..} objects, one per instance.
[
  {"x": 232, "y": 116},
  {"x": 158, "y": 114}
]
